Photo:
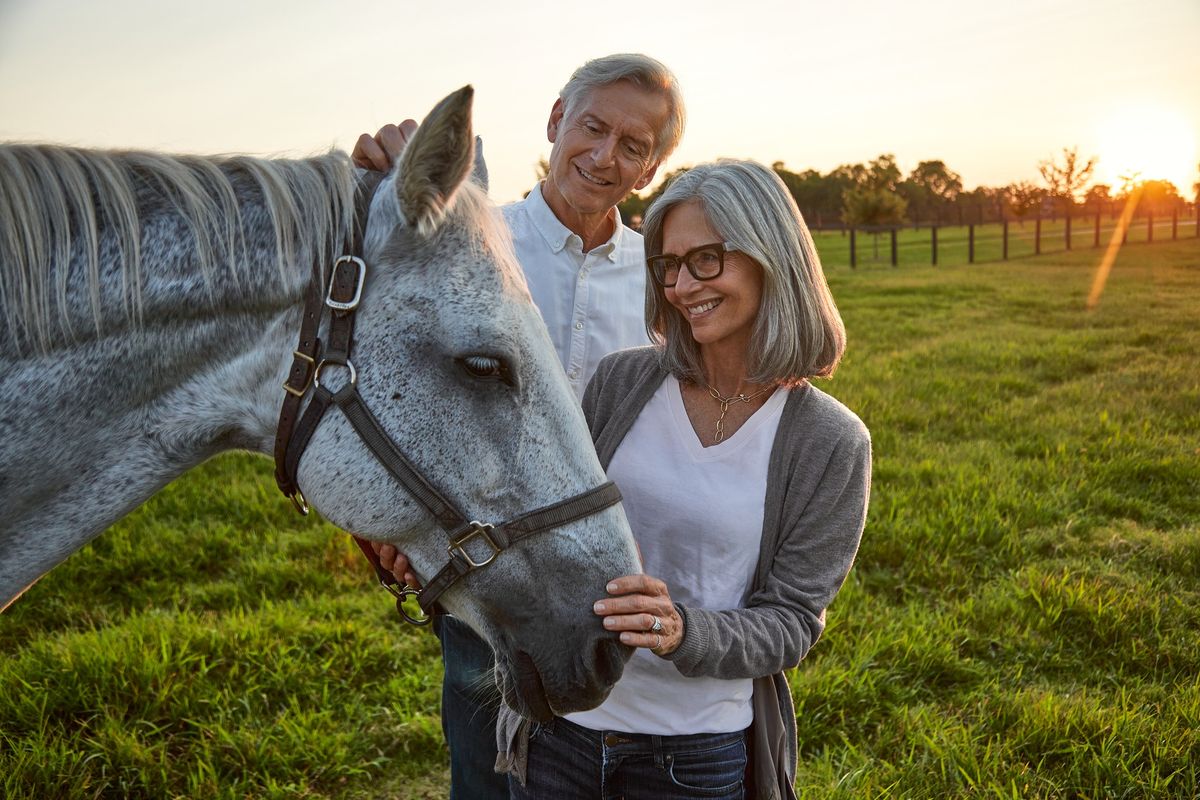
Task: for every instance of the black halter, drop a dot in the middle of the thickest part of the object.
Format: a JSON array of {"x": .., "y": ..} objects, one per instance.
[{"x": 292, "y": 436}]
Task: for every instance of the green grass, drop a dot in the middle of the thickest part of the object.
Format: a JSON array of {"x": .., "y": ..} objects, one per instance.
[{"x": 1023, "y": 620}]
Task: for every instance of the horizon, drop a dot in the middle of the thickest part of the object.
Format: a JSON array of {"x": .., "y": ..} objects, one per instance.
[{"x": 989, "y": 92}]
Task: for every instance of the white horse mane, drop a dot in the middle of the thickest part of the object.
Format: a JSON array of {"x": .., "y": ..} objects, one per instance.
[{"x": 310, "y": 204}]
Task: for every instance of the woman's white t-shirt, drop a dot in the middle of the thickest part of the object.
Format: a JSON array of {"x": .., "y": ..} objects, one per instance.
[{"x": 697, "y": 515}]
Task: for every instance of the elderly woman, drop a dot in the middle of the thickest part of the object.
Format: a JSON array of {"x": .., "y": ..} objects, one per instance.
[{"x": 746, "y": 488}]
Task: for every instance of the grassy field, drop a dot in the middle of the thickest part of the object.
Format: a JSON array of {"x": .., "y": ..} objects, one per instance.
[{"x": 1023, "y": 620}]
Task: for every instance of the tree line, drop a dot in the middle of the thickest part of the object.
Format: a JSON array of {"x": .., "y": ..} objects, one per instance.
[{"x": 878, "y": 193}]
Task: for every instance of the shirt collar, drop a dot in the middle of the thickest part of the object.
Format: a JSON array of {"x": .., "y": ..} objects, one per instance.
[{"x": 558, "y": 235}]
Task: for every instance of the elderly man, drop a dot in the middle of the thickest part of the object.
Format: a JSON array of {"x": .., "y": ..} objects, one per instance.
[{"x": 613, "y": 124}]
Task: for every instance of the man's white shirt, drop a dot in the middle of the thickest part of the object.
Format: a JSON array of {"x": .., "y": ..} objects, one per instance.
[{"x": 593, "y": 303}]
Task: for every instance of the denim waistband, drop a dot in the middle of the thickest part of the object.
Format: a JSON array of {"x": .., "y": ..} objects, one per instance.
[{"x": 648, "y": 742}]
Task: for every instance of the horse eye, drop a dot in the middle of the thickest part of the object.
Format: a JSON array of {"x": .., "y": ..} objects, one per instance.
[{"x": 485, "y": 368}]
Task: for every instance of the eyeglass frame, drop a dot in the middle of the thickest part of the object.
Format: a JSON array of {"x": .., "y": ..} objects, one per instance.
[{"x": 721, "y": 247}]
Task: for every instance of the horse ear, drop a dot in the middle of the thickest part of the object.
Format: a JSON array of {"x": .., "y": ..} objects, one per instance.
[
  {"x": 436, "y": 162},
  {"x": 480, "y": 175}
]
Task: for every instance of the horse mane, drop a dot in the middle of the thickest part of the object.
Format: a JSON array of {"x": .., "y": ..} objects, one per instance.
[{"x": 58, "y": 203}]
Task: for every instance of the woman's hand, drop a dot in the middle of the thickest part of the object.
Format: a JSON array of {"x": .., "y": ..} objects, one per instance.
[{"x": 637, "y": 604}]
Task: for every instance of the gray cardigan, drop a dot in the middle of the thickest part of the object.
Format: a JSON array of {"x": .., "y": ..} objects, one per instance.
[{"x": 818, "y": 482}]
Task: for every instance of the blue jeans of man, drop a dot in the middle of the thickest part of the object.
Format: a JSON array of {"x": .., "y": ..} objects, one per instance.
[
  {"x": 469, "y": 705},
  {"x": 569, "y": 761}
]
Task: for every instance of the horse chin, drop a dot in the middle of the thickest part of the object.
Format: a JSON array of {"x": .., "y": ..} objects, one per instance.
[
  {"x": 531, "y": 693},
  {"x": 538, "y": 695}
]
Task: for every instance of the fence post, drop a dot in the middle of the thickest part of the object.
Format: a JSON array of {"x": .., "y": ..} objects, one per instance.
[
  {"x": 895, "y": 259},
  {"x": 1174, "y": 224},
  {"x": 1067, "y": 220},
  {"x": 1005, "y": 237},
  {"x": 853, "y": 253},
  {"x": 970, "y": 244},
  {"x": 933, "y": 240},
  {"x": 1150, "y": 227},
  {"x": 1037, "y": 237},
  {"x": 1096, "y": 238}
]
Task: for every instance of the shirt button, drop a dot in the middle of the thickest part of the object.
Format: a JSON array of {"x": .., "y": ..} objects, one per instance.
[
  {"x": 574, "y": 375},
  {"x": 578, "y": 326}
]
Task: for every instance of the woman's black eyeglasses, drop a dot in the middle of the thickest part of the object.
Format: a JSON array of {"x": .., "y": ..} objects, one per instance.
[{"x": 704, "y": 262}]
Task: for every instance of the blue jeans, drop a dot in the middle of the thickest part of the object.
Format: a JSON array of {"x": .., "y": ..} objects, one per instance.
[
  {"x": 569, "y": 761},
  {"x": 469, "y": 703}
]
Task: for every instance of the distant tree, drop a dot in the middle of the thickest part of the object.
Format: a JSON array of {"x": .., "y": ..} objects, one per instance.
[
  {"x": 930, "y": 190},
  {"x": 1160, "y": 197},
  {"x": 1098, "y": 196},
  {"x": 1065, "y": 181},
  {"x": 1024, "y": 197},
  {"x": 882, "y": 173},
  {"x": 868, "y": 206},
  {"x": 941, "y": 182},
  {"x": 812, "y": 193},
  {"x": 1196, "y": 188}
]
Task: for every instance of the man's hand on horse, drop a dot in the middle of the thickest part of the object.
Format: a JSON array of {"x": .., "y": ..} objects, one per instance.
[
  {"x": 380, "y": 151},
  {"x": 397, "y": 563},
  {"x": 641, "y": 609}
]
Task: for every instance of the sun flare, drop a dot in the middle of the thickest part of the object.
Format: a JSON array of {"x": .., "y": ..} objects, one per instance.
[{"x": 1151, "y": 143}]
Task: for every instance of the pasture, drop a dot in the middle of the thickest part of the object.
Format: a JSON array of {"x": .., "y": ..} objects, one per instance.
[{"x": 1023, "y": 620}]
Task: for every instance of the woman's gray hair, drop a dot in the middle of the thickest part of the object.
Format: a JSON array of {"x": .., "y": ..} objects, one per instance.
[
  {"x": 798, "y": 332},
  {"x": 642, "y": 71}
]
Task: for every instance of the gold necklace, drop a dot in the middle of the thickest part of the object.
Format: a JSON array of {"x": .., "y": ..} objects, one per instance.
[{"x": 725, "y": 403}]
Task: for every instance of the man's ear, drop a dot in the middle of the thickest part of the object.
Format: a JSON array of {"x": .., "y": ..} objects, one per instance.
[
  {"x": 647, "y": 176},
  {"x": 556, "y": 116}
]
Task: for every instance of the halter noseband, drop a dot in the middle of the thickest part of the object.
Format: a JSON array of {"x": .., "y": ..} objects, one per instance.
[{"x": 295, "y": 430}]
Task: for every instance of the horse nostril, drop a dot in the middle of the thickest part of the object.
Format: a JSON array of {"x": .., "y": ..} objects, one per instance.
[{"x": 610, "y": 659}]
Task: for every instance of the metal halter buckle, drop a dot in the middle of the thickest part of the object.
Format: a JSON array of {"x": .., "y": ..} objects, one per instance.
[
  {"x": 352, "y": 303},
  {"x": 287, "y": 386},
  {"x": 474, "y": 529}
]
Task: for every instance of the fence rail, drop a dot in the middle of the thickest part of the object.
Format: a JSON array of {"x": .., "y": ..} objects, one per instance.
[{"x": 911, "y": 245}]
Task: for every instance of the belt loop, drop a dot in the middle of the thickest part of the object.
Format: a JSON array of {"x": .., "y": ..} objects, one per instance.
[{"x": 657, "y": 748}]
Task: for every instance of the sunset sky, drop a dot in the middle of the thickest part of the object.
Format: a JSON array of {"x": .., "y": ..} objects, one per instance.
[{"x": 990, "y": 88}]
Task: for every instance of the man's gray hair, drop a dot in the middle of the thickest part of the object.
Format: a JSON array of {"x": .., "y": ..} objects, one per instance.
[
  {"x": 798, "y": 332},
  {"x": 642, "y": 71}
]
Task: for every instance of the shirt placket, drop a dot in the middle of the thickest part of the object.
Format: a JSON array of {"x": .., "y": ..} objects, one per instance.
[{"x": 577, "y": 359}]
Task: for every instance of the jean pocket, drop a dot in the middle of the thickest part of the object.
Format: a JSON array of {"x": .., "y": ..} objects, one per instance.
[{"x": 710, "y": 772}]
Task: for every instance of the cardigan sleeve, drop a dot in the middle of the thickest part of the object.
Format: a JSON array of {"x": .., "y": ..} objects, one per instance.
[{"x": 823, "y": 512}]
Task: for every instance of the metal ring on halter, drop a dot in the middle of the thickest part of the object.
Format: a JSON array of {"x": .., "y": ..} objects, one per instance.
[
  {"x": 402, "y": 594},
  {"x": 301, "y": 504},
  {"x": 348, "y": 364},
  {"x": 657, "y": 626}
]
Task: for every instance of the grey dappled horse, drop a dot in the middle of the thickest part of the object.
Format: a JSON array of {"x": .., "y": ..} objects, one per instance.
[{"x": 149, "y": 306}]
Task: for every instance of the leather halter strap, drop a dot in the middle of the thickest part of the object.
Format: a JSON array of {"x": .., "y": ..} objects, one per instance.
[{"x": 293, "y": 435}]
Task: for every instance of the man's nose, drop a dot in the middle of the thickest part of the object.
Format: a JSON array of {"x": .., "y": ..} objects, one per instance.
[{"x": 605, "y": 151}]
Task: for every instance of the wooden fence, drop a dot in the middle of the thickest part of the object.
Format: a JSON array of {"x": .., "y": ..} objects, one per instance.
[{"x": 997, "y": 241}]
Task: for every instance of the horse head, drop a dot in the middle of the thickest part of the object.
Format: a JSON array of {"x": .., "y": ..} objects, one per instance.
[{"x": 452, "y": 357}]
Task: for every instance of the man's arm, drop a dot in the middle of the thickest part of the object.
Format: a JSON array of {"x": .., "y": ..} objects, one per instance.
[{"x": 380, "y": 151}]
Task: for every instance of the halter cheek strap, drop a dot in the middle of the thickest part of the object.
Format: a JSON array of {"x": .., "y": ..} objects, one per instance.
[{"x": 292, "y": 437}]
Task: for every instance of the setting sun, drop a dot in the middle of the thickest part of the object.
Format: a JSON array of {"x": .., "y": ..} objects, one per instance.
[{"x": 1149, "y": 143}]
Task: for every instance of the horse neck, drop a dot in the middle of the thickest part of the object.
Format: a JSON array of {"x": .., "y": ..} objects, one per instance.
[{"x": 179, "y": 296}]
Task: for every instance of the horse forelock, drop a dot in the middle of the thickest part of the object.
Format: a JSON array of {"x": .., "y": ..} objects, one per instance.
[{"x": 62, "y": 204}]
